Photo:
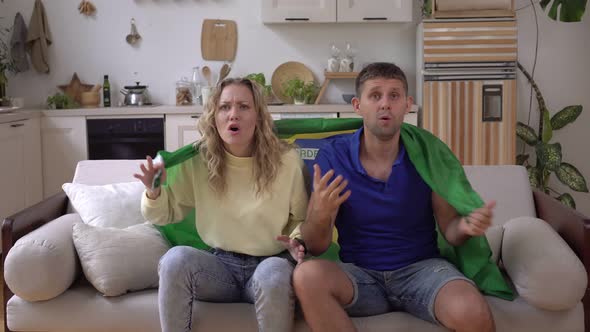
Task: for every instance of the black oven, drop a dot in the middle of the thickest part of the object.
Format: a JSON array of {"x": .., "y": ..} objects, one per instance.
[{"x": 124, "y": 138}]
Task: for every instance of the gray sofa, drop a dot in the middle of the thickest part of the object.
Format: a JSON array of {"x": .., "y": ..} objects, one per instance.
[{"x": 548, "y": 275}]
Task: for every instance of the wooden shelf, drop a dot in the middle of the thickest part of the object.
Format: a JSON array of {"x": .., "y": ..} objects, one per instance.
[{"x": 331, "y": 75}]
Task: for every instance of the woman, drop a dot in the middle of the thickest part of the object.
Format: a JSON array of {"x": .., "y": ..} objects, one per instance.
[{"x": 248, "y": 191}]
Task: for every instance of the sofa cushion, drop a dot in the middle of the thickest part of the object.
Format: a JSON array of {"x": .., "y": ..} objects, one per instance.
[
  {"x": 112, "y": 205},
  {"x": 508, "y": 185},
  {"x": 116, "y": 261},
  {"x": 544, "y": 269},
  {"x": 43, "y": 264}
]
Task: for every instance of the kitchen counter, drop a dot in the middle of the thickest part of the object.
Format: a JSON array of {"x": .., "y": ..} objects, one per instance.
[
  {"x": 20, "y": 114},
  {"x": 7, "y": 116},
  {"x": 171, "y": 109}
]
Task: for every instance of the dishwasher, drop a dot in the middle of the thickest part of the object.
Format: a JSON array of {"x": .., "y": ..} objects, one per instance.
[{"x": 124, "y": 138}]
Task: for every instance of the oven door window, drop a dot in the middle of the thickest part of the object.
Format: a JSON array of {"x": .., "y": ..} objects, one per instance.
[{"x": 124, "y": 138}]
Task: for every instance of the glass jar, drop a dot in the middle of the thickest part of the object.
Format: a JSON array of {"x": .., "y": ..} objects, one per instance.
[{"x": 184, "y": 92}]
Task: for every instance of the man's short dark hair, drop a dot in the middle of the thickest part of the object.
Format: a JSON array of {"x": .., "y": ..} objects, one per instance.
[{"x": 385, "y": 70}]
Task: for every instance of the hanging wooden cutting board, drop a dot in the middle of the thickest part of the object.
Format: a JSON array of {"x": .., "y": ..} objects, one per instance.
[{"x": 219, "y": 39}]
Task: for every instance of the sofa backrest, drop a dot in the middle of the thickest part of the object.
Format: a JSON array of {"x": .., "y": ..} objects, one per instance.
[
  {"x": 99, "y": 172},
  {"x": 508, "y": 185}
]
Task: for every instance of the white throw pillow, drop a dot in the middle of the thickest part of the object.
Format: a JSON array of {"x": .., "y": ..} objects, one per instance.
[
  {"x": 116, "y": 261},
  {"x": 544, "y": 269},
  {"x": 113, "y": 205}
]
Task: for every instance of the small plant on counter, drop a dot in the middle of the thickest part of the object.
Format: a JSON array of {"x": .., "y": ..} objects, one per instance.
[
  {"x": 261, "y": 80},
  {"x": 301, "y": 92},
  {"x": 61, "y": 101}
]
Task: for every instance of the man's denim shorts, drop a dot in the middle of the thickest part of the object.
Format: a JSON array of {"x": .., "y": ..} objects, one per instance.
[{"x": 412, "y": 288}]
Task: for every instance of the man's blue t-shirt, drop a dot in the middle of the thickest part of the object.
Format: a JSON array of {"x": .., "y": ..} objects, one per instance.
[{"x": 382, "y": 226}]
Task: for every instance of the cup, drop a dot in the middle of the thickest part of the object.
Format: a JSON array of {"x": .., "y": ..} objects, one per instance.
[{"x": 205, "y": 94}]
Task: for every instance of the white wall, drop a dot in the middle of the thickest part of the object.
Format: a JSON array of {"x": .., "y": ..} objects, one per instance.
[
  {"x": 171, "y": 47},
  {"x": 562, "y": 74},
  {"x": 171, "y": 31}
]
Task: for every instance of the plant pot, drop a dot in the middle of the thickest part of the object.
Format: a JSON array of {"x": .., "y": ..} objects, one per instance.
[{"x": 299, "y": 101}]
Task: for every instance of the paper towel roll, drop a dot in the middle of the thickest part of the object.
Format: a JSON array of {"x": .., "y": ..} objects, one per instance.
[{"x": 453, "y": 5}]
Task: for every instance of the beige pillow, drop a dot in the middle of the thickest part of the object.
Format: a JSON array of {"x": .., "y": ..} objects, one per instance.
[
  {"x": 544, "y": 269},
  {"x": 112, "y": 205},
  {"x": 116, "y": 261},
  {"x": 42, "y": 264}
]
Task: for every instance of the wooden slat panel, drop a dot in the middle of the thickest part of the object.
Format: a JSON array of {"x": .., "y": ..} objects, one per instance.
[
  {"x": 462, "y": 116},
  {"x": 454, "y": 115},
  {"x": 478, "y": 33},
  {"x": 480, "y": 24},
  {"x": 474, "y": 13},
  {"x": 428, "y": 107},
  {"x": 435, "y": 108},
  {"x": 468, "y": 58},
  {"x": 478, "y": 146},
  {"x": 469, "y": 50},
  {"x": 472, "y": 41}
]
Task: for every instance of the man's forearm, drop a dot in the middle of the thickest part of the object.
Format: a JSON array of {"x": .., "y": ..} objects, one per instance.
[
  {"x": 453, "y": 234},
  {"x": 317, "y": 235}
]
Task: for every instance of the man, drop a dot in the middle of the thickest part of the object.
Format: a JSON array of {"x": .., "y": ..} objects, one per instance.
[{"x": 386, "y": 217}]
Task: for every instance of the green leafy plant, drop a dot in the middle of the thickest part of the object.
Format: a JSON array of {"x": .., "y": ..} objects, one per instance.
[
  {"x": 6, "y": 63},
  {"x": 61, "y": 101},
  {"x": 302, "y": 92},
  {"x": 549, "y": 159},
  {"x": 569, "y": 10},
  {"x": 261, "y": 80}
]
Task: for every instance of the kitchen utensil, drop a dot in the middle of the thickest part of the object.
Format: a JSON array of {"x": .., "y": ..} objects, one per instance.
[
  {"x": 284, "y": 73},
  {"x": 219, "y": 39},
  {"x": 90, "y": 99},
  {"x": 133, "y": 37},
  {"x": 207, "y": 74},
  {"x": 223, "y": 72},
  {"x": 135, "y": 95},
  {"x": 95, "y": 88}
]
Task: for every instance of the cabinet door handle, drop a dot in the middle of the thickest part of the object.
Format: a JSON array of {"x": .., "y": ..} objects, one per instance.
[
  {"x": 16, "y": 125},
  {"x": 296, "y": 19},
  {"x": 195, "y": 116},
  {"x": 375, "y": 18}
]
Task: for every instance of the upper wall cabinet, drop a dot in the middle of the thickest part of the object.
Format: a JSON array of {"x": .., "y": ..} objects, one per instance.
[
  {"x": 331, "y": 11},
  {"x": 285, "y": 11},
  {"x": 374, "y": 11}
]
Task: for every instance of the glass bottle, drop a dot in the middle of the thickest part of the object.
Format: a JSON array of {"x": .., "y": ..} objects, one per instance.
[
  {"x": 196, "y": 82},
  {"x": 106, "y": 92}
]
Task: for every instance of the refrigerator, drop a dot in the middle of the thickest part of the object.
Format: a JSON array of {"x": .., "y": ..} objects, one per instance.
[{"x": 466, "y": 79}]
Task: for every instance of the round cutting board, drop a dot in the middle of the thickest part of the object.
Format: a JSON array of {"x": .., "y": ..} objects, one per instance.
[{"x": 288, "y": 71}]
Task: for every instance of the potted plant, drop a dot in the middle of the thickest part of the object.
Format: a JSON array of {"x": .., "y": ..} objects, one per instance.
[
  {"x": 6, "y": 65},
  {"x": 302, "y": 92},
  {"x": 60, "y": 101},
  {"x": 261, "y": 80}
]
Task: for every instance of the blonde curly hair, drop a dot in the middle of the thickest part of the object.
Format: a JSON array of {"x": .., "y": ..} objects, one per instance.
[{"x": 267, "y": 147}]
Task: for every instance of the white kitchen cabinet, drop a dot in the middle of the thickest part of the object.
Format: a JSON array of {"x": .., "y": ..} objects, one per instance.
[
  {"x": 64, "y": 143},
  {"x": 374, "y": 11},
  {"x": 20, "y": 170},
  {"x": 286, "y": 11},
  {"x": 180, "y": 130},
  {"x": 411, "y": 118}
]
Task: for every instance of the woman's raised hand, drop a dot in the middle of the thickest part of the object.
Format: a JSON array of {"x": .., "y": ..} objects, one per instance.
[{"x": 148, "y": 175}]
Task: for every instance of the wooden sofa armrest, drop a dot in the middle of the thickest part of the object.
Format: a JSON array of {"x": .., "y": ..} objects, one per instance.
[
  {"x": 574, "y": 228},
  {"x": 24, "y": 222}
]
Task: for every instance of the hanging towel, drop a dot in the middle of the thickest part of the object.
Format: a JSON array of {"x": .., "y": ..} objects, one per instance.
[
  {"x": 39, "y": 38},
  {"x": 433, "y": 160},
  {"x": 18, "y": 43}
]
